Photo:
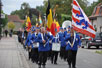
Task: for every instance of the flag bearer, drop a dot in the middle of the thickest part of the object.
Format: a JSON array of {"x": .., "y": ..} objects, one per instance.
[{"x": 72, "y": 47}]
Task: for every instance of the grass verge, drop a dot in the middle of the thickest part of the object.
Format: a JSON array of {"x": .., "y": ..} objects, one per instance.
[{"x": 99, "y": 52}]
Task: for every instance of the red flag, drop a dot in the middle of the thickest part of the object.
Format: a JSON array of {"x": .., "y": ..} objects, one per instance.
[
  {"x": 53, "y": 27},
  {"x": 80, "y": 21}
]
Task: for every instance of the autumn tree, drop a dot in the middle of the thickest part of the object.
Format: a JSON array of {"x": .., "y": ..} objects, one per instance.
[{"x": 11, "y": 25}]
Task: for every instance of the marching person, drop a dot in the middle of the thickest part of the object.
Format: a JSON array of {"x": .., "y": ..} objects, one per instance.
[
  {"x": 66, "y": 52},
  {"x": 28, "y": 44},
  {"x": 55, "y": 40},
  {"x": 23, "y": 38},
  {"x": 49, "y": 36},
  {"x": 43, "y": 47},
  {"x": 63, "y": 44},
  {"x": 34, "y": 40},
  {"x": 72, "y": 47},
  {"x": 31, "y": 43}
]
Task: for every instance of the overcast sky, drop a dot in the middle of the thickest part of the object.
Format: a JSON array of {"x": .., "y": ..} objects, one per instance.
[{"x": 11, "y": 5}]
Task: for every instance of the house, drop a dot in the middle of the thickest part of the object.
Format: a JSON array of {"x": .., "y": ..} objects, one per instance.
[
  {"x": 96, "y": 18},
  {"x": 17, "y": 21}
]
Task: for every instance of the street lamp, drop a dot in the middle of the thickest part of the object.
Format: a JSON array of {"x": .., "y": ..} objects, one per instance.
[{"x": 0, "y": 18}]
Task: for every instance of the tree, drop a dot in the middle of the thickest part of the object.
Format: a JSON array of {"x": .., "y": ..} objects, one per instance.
[
  {"x": 64, "y": 7},
  {"x": 33, "y": 20},
  {"x": 4, "y": 20},
  {"x": 11, "y": 25},
  {"x": 24, "y": 24},
  {"x": 23, "y": 11}
]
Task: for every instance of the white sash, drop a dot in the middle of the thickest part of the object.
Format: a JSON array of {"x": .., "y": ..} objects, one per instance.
[
  {"x": 73, "y": 40},
  {"x": 42, "y": 36},
  {"x": 56, "y": 37},
  {"x": 43, "y": 39}
]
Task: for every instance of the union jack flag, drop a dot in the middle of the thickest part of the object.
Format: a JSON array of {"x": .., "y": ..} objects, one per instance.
[{"x": 80, "y": 21}]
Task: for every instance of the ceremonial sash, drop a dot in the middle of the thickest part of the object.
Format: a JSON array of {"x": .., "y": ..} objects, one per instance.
[
  {"x": 56, "y": 37},
  {"x": 73, "y": 40},
  {"x": 43, "y": 39}
]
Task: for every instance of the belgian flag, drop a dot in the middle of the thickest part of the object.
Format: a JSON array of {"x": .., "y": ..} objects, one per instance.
[{"x": 49, "y": 16}]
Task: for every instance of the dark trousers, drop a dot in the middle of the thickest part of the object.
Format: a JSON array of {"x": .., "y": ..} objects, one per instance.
[
  {"x": 6, "y": 34},
  {"x": 54, "y": 56},
  {"x": 29, "y": 53},
  {"x": 72, "y": 57},
  {"x": 42, "y": 58},
  {"x": 62, "y": 53},
  {"x": 49, "y": 54},
  {"x": 35, "y": 55}
]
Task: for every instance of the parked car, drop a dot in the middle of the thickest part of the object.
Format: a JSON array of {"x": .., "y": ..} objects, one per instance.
[
  {"x": 84, "y": 41},
  {"x": 97, "y": 41}
]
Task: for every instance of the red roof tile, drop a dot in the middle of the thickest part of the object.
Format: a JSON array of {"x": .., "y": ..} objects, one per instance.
[
  {"x": 97, "y": 10},
  {"x": 15, "y": 18}
]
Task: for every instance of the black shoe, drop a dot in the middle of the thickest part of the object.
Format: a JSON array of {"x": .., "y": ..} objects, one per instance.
[
  {"x": 44, "y": 66},
  {"x": 55, "y": 63},
  {"x": 73, "y": 67},
  {"x": 52, "y": 62},
  {"x": 69, "y": 66},
  {"x": 33, "y": 61},
  {"x": 39, "y": 66}
]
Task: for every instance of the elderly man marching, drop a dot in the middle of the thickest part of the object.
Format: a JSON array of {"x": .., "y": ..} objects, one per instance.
[
  {"x": 43, "y": 47},
  {"x": 72, "y": 47}
]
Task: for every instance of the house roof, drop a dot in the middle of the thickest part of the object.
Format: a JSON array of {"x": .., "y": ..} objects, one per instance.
[
  {"x": 15, "y": 18},
  {"x": 97, "y": 11}
]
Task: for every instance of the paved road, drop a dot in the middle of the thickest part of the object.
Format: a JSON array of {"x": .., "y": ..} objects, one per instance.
[
  {"x": 10, "y": 54},
  {"x": 94, "y": 49},
  {"x": 10, "y": 47}
]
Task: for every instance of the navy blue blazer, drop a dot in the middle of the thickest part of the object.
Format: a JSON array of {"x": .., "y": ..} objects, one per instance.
[
  {"x": 61, "y": 38},
  {"x": 43, "y": 46},
  {"x": 77, "y": 42}
]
